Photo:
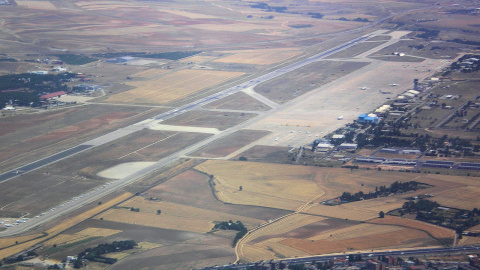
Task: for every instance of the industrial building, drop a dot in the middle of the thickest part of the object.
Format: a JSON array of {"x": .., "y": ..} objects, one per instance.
[{"x": 368, "y": 118}]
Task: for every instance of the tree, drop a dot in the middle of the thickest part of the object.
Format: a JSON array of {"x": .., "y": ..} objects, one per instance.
[
  {"x": 381, "y": 214},
  {"x": 242, "y": 158},
  {"x": 240, "y": 188},
  {"x": 159, "y": 212},
  {"x": 77, "y": 264}
]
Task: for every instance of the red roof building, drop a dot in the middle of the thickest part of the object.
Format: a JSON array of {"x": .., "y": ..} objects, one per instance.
[{"x": 53, "y": 95}]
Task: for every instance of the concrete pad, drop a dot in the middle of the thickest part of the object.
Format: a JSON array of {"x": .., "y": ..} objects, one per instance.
[
  {"x": 315, "y": 114},
  {"x": 123, "y": 170},
  {"x": 73, "y": 98},
  {"x": 158, "y": 126}
]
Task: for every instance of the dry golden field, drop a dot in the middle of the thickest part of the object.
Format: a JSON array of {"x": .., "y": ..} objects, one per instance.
[
  {"x": 149, "y": 73},
  {"x": 282, "y": 186},
  {"x": 434, "y": 231},
  {"x": 270, "y": 185},
  {"x": 281, "y": 245},
  {"x": 280, "y": 250},
  {"x": 355, "y": 231},
  {"x": 198, "y": 59},
  {"x": 5, "y": 242},
  {"x": 361, "y": 210},
  {"x": 87, "y": 214},
  {"x": 468, "y": 240},
  {"x": 396, "y": 239},
  {"x": 284, "y": 226},
  {"x": 173, "y": 216},
  {"x": 172, "y": 86},
  {"x": 64, "y": 239},
  {"x": 44, "y": 5},
  {"x": 257, "y": 246},
  {"x": 187, "y": 14},
  {"x": 259, "y": 57},
  {"x": 63, "y": 226},
  {"x": 253, "y": 253},
  {"x": 289, "y": 186}
]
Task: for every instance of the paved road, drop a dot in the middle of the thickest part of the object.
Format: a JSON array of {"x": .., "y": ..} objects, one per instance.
[
  {"x": 322, "y": 258},
  {"x": 98, "y": 193}
]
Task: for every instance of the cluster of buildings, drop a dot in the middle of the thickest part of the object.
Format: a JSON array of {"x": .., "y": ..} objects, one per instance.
[
  {"x": 384, "y": 263},
  {"x": 469, "y": 64},
  {"x": 414, "y": 163}
]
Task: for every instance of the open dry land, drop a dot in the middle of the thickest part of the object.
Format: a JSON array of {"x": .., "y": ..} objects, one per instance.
[
  {"x": 59, "y": 228},
  {"x": 26, "y": 138},
  {"x": 209, "y": 119},
  {"x": 238, "y": 101},
  {"x": 184, "y": 199},
  {"x": 173, "y": 216},
  {"x": 356, "y": 49},
  {"x": 397, "y": 239},
  {"x": 268, "y": 154},
  {"x": 230, "y": 144},
  {"x": 70, "y": 177},
  {"x": 172, "y": 86},
  {"x": 266, "y": 183},
  {"x": 305, "y": 79},
  {"x": 259, "y": 57},
  {"x": 271, "y": 185}
]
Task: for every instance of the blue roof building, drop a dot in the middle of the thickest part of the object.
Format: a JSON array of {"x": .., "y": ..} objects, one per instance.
[{"x": 368, "y": 118}]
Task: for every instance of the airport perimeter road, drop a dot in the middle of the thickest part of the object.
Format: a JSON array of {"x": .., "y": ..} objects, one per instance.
[
  {"x": 400, "y": 253},
  {"x": 100, "y": 192}
]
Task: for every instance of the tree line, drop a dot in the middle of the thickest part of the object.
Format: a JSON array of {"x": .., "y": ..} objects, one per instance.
[
  {"x": 381, "y": 191},
  {"x": 96, "y": 254}
]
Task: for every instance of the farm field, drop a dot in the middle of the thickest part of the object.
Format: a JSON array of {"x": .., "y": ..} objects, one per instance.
[
  {"x": 172, "y": 86},
  {"x": 305, "y": 79},
  {"x": 238, "y": 101},
  {"x": 403, "y": 238},
  {"x": 267, "y": 185},
  {"x": 210, "y": 119},
  {"x": 359, "y": 211},
  {"x": 184, "y": 199},
  {"x": 193, "y": 188},
  {"x": 173, "y": 216},
  {"x": 66, "y": 239},
  {"x": 262, "y": 184},
  {"x": 288, "y": 186},
  {"x": 64, "y": 225},
  {"x": 230, "y": 144},
  {"x": 433, "y": 230}
]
